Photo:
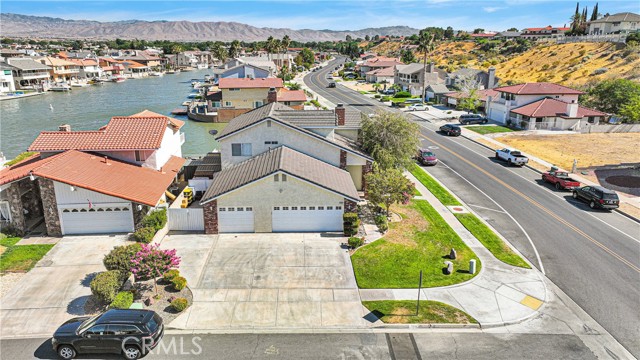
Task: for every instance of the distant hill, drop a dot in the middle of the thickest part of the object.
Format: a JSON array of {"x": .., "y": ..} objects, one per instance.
[{"x": 15, "y": 25}]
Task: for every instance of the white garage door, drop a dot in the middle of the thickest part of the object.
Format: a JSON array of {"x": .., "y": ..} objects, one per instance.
[
  {"x": 97, "y": 220},
  {"x": 235, "y": 219},
  {"x": 307, "y": 218}
]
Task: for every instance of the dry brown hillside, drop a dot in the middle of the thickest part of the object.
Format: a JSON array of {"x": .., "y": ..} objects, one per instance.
[{"x": 569, "y": 64}]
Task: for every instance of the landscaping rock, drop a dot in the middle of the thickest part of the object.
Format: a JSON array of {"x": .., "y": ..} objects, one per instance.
[
  {"x": 128, "y": 284},
  {"x": 453, "y": 254},
  {"x": 149, "y": 301},
  {"x": 448, "y": 268}
]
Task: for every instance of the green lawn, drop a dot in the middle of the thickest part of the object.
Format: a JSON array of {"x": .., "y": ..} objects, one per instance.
[
  {"x": 19, "y": 258},
  {"x": 489, "y": 129},
  {"x": 431, "y": 312},
  {"x": 436, "y": 189},
  {"x": 491, "y": 241},
  {"x": 421, "y": 241}
]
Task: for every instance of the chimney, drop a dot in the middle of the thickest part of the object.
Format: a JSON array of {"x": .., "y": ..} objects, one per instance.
[
  {"x": 572, "y": 110},
  {"x": 340, "y": 114},
  {"x": 431, "y": 67},
  {"x": 64, "y": 127},
  {"x": 272, "y": 95},
  {"x": 491, "y": 80}
]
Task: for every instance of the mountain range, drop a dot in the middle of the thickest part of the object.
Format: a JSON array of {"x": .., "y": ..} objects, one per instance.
[{"x": 16, "y": 25}]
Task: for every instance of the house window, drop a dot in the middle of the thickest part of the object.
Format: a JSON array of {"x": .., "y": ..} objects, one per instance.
[
  {"x": 222, "y": 209},
  {"x": 5, "y": 211},
  {"x": 258, "y": 104},
  {"x": 285, "y": 208},
  {"x": 591, "y": 119},
  {"x": 294, "y": 208},
  {"x": 241, "y": 149},
  {"x": 140, "y": 155},
  {"x": 312, "y": 207},
  {"x": 303, "y": 208},
  {"x": 231, "y": 209},
  {"x": 276, "y": 208},
  {"x": 234, "y": 89},
  {"x": 338, "y": 207},
  {"x": 227, "y": 103},
  {"x": 248, "y": 208},
  {"x": 329, "y": 207},
  {"x": 284, "y": 177},
  {"x": 271, "y": 143},
  {"x": 276, "y": 177}
]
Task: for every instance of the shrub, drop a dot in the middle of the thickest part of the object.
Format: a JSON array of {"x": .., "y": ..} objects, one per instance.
[
  {"x": 156, "y": 219},
  {"x": 355, "y": 242},
  {"x": 143, "y": 235},
  {"x": 382, "y": 223},
  {"x": 631, "y": 58},
  {"x": 179, "y": 283},
  {"x": 105, "y": 285},
  {"x": 170, "y": 275},
  {"x": 544, "y": 67},
  {"x": 120, "y": 258},
  {"x": 123, "y": 300},
  {"x": 12, "y": 231},
  {"x": 351, "y": 223},
  {"x": 377, "y": 96},
  {"x": 179, "y": 304},
  {"x": 402, "y": 94}
]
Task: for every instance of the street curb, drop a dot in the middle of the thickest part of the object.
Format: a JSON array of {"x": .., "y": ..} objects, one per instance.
[{"x": 631, "y": 217}]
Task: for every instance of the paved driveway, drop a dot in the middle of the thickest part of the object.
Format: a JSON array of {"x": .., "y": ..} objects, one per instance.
[
  {"x": 57, "y": 288},
  {"x": 262, "y": 281}
]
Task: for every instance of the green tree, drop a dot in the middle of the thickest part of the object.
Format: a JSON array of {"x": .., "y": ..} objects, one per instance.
[
  {"x": 348, "y": 38},
  {"x": 478, "y": 31},
  {"x": 630, "y": 111},
  {"x": 387, "y": 187},
  {"x": 448, "y": 33},
  {"x": 234, "y": 49},
  {"x": 426, "y": 45},
  {"x": 390, "y": 138},
  {"x": 512, "y": 29},
  {"x": 470, "y": 102},
  {"x": 285, "y": 43},
  {"x": 594, "y": 14},
  {"x": 219, "y": 52},
  {"x": 308, "y": 57},
  {"x": 407, "y": 56},
  {"x": 612, "y": 95},
  {"x": 367, "y": 37}
]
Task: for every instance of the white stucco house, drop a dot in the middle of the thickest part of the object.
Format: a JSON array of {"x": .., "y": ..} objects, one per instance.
[
  {"x": 102, "y": 181},
  {"x": 286, "y": 170},
  {"x": 621, "y": 23}
]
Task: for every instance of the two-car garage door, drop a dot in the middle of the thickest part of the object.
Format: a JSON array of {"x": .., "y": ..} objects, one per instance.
[
  {"x": 115, "y": 218},
  {"x": 306, "y": 218}
]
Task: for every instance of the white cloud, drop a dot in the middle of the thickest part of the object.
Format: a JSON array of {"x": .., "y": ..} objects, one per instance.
[{"x": 491, "y": 9}]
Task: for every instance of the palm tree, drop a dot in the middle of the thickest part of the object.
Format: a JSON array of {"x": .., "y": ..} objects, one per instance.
[
  {"x": 376, "y": 86},
  {"x": 234, "y": 49},
  {"x": 270, "y": 45},
  {"x": 219, "y": 52},
  {"x": 285, "y": 42},
  {"x": 426, "y": 44}
]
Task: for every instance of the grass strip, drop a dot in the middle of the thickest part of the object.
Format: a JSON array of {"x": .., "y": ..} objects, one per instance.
[{"x": 404, "y": 312}]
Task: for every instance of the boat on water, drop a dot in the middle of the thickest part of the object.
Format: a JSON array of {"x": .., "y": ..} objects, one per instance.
[
  {"x": 186, "y": 103},
  {"x": 192, "y": 96},
  {"x": 202, "y": 66},
  {"x": 60, "y": 87},
  {"x": 156, "y": 73},
  {"x": 207, "y": 77},
  {"x": 118, "y": 78},
  {"x": 196, "y": 85},
  {"x": 79, "y": 84},
  {"x": 186, "y": 69}
]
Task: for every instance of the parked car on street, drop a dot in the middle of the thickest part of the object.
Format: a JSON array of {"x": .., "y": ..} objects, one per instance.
[
  {"x": 417, "y": 107},
  {"x": 388, "y": 92},
  {"x": 512, "y": 157},
  {"x": 472, "y": 119},
  {"x": 132, "y": 333},
  {"x": 426, "y": 157},
  {"x": 560, "y": 179},
  {"x": 597, "y": 197},
  {"x": 450, "y": 130}
]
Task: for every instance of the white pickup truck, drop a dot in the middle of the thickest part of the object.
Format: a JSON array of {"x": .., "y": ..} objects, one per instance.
[{"x": 512, "y": 157}]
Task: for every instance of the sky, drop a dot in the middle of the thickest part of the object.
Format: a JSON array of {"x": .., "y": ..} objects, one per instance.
[{"x": 327, "y": 14}]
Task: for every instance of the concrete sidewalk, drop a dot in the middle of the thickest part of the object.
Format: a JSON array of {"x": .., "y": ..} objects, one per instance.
[
  {"x": 474, "y": 136},
  {"x": 499, "y": 295}
]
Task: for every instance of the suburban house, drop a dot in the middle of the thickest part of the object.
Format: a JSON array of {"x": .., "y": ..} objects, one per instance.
[
  {"x": 451, "y": 99},
  {"x": 544, "y": 32},
  {"x": 541, "y": 106},
  {"x": 142, "y": 58},
  {"x": 436, "y": 92},
  {"x": 378, "y": 63},
  {"x": 88, "y": 68},
  {"x": 286, "y": 170},
  {"x": 239, "y": 71},
  {"x": 134, "y": 69},
  {"x": 240, "y": 95},
  {"x": 411, "y": 77},
  {"x": 6, "y": 79},
  {"x": 101, "y": 181},
  {"x": 28, "y": 73},
  {"x": 384, "y": 75},
  {"x": 474, "y": 78},
  {"x": 507, "y": 35},
  {"x": 60, "y": 69},
  {"x": 11, "y": 53},
  {"x": 621, "y": 23},
  {"x": 261, "y": 61}
]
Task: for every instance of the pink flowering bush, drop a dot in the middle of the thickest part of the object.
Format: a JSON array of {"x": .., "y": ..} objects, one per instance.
[{"x": 151, "y": 262}]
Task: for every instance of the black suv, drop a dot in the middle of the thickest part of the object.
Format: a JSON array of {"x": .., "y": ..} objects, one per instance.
[
  {"x": 132, "y": 333},
  {"x": 451, "y": 130},
  {"x": 597, "y": 196},
  {"x": 332, "y": 84},
  {"x": 472, "y": 119}
]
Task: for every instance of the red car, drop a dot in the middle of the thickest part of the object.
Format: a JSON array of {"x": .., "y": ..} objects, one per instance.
[
  {"x": 560, "y": 179},
  {"x": 426, "y": 157}
]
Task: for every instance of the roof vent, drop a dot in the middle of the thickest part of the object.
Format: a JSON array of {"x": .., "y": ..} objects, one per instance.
[{"x": 64, "y": 127}]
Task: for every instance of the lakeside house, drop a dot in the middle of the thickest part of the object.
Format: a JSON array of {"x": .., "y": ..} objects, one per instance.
[
  {"x": 60, "y": 69},
  {"x": 29, "y": 74},
  {"x": 101, "y": 181},
  {"x": 621, "y": 23},
  {"x": 544, "y": 32},
  {"x": 6, "y": 79}
]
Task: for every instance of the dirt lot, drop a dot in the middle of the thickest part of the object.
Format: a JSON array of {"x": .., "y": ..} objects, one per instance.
[{"x": 589, "y": 149}]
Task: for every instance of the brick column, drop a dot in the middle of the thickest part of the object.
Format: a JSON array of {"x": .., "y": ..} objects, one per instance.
[
  {"x": 15, "y": 204},
  {"x": 350, "y": 206},
  {"x": 366, "y": 169},
  {"x": 343, "y": 159},
  {"x": 210, "y": 211},
  {"x": 50, "y": 207}
]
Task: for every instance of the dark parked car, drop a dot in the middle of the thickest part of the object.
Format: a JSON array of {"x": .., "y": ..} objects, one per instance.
[
  {"x": 132, "y": 333},
  {"x": 332, "y": 84},
  {"x": 450, "y": 130},
  {"x": 597, "y": 197},
  {"x": 472, "y": 119},
  {"x": 426, "y": 157}
]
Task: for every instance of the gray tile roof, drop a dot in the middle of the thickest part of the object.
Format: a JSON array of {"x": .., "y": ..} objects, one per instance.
[
  {"x": 410, "y": 69},
  {"x": 249, "y": 118},
  {"x": 439, "y": 88},
  {"x": 625, "y": 16},
  {"x": 286, "y": 160},
  {"x": 27, "y": 64},
  {"x": 307, "y": 118}
]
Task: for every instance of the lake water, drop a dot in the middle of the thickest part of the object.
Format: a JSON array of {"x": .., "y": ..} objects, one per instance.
[{"x": 89, "y": 108}]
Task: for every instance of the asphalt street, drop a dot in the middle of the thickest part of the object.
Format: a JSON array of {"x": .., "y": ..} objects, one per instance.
[
  {"x": 593, "y": 256},
  {"x": 352, "y": 346}
]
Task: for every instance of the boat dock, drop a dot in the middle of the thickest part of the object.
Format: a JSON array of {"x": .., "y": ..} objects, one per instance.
[{"x": 179, "y": 111}]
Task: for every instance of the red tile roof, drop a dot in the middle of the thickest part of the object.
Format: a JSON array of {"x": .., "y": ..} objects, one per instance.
[
  {"x": 245, "y": 83},
  {"x": 121, "y": 133},
  {"x": 291, "y": 95},
  {"x": 552, "y": 107},
  {"x": 483, "y": 35},
  {"x": 84, "y": 62},
  {"x": 92, "y": 172},
  {"x": 542, "y": 88},
  {"x": 482, "y": 94},
  {"x": 147, "y": 113},
  {"x": 546, "y": 28}
]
